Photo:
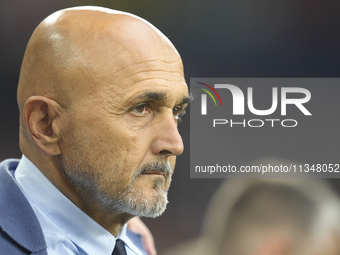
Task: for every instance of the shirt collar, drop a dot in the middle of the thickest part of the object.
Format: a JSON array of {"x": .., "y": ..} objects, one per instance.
[
  {"x": 129, "y": 244},
  {"x": 73, "y": 222}
]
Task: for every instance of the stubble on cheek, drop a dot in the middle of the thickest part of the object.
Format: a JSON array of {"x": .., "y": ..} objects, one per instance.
[{"x": 103, "y": 173}]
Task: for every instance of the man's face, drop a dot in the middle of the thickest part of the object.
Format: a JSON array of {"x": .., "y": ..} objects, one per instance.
[{"x": 121, "y": 141}]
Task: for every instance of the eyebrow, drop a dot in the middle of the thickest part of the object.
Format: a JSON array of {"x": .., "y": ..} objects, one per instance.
[
  {"x": 155, "y": 96},
  {"x": 187, "y": 99},
  {"x": 161, "y": 96}
]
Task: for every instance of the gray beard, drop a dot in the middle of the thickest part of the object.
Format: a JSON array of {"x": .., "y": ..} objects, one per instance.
[
  {"x": 130, "y": 200},
  {"x": 133, "y": 202}
]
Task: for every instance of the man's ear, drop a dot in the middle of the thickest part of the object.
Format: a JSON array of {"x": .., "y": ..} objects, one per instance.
[{"x": 40, "y": 117}]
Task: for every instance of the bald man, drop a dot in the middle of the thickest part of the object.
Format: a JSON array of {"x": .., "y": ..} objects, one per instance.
[{"x": 100, "y": 94}]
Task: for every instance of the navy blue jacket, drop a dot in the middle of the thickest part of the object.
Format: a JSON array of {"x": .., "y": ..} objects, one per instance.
[{"x": 20, "y": 231}]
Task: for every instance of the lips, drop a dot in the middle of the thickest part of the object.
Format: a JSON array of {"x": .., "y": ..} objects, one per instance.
[
  {"x": 155, "y": 173},
  {"x": 158, "y": 168}
]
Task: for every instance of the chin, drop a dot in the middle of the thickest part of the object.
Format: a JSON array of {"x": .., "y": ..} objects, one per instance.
[{"x": 137, "y": 204}]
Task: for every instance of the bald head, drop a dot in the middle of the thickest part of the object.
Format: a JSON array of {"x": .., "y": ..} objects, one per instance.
[
  {"x": 72, "y": 48},
  {"x": 78, "y": 51}
]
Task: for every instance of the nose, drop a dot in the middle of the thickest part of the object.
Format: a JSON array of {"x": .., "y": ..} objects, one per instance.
[{"x": 167, "y": 140}]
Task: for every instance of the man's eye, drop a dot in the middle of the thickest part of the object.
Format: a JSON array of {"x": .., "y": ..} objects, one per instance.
[
  {"x": 140, "y": 109},
  {"x": 178, "y": 111}
]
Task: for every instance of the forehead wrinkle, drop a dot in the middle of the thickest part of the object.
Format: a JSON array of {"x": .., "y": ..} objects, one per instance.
[
  {"x": 150, "y": 61},
  {"x": 155, "y": 75},
  {"x": 151, "y": 65},
  {"x": 163, "y": 78}
]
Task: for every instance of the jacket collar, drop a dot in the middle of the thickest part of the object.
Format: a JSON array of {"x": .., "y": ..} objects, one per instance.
[{"x": 18, "y": 219}]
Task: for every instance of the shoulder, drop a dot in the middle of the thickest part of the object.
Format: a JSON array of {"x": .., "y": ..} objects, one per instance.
[{"x": 20, "y": 230}]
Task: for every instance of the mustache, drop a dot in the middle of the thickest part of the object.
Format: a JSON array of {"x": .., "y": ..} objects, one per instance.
[{"x": 156, "y": 167}]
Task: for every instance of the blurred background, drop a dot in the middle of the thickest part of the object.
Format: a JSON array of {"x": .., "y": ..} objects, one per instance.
[{"x": 215, "y": 38}]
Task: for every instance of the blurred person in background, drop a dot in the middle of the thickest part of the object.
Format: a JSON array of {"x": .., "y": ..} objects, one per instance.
[{"x": 269, "y": 217}]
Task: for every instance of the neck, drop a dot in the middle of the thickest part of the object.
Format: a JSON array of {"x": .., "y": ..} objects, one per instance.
[{"x": 110, "y": 220}]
